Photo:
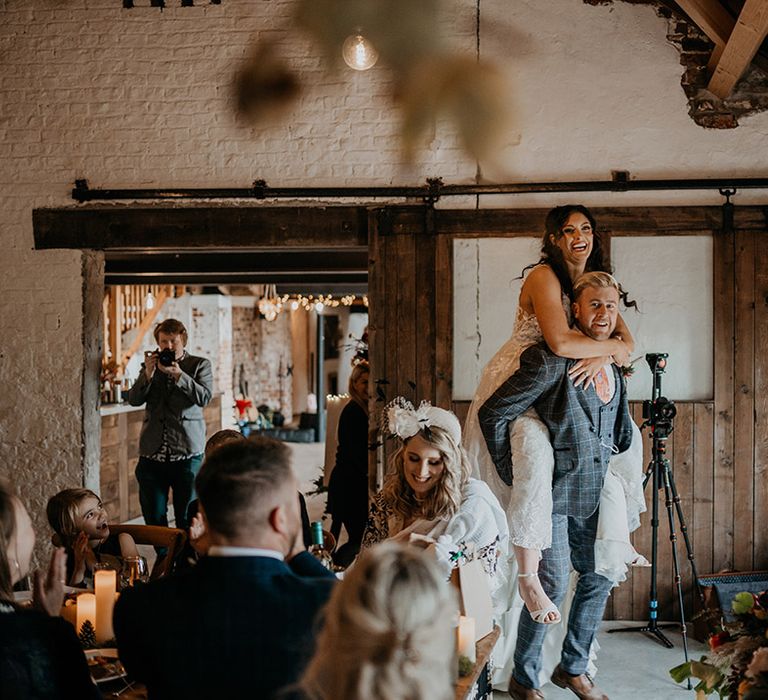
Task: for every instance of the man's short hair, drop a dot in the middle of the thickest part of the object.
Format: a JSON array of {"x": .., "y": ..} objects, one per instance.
[
  {"x": 171, "y": 326},
  {"x": 240, "y": 484},
  {"x": 222, "y": 437},
  {"x": 601, "y": 280}
]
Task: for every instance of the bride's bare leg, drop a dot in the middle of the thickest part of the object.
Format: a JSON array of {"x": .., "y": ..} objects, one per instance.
[{"x": 533, "y": 595}]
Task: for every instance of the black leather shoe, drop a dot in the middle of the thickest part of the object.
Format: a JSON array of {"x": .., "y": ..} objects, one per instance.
[{"x": 520, "y": 692}]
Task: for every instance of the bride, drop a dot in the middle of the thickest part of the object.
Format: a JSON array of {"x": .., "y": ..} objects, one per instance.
[{"x": 570, "y": 247}]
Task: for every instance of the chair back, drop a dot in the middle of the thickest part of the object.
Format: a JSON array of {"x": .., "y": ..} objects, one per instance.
[{"x": 171, "y": 538}]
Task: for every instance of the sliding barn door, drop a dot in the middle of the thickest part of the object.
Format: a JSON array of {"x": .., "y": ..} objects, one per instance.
[{"x": 404, "y": 308}]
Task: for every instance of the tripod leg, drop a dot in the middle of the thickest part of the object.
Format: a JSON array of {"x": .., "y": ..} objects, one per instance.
[
  {"x": 687, "y": 540},
  {"x": 652, "y": 628},
  {"x": 668, "y": 503}
]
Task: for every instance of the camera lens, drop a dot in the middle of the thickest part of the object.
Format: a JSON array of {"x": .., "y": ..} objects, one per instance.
[
  {"x": 166, "y": 357},
  {"x": 666, "y": 408}
]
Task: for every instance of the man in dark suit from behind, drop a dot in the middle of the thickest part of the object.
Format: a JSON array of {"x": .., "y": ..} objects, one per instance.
[{"x": 241, "y": 623}]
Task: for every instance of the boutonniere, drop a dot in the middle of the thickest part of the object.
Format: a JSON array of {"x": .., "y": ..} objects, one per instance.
[{"x": 628, "y": 370}]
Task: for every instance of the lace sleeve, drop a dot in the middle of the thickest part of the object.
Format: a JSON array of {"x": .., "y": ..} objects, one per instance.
[{"x": 377, "y": 527}]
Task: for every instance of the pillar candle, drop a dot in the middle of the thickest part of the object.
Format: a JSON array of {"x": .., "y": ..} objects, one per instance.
[
  {"x": 86, "y": 610},
  {"x": 466, "y": 633},
  {"x": 104, "y": 583},
  {"x": 69, "y": 612}
]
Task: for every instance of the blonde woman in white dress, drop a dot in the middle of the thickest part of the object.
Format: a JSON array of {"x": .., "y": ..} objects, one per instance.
[{"x": 570, "y": 247}]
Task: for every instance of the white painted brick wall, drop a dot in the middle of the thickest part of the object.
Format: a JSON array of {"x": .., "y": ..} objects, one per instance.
[{"x": 140, "y": 97}]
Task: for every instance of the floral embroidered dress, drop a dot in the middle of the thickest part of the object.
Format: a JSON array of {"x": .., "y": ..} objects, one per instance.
[
  {"x": 528, "y": 504},
  {"x": 477, "y": 531}
]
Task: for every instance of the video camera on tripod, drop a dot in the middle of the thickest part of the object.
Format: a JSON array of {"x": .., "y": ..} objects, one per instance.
[
  {"x": 658, "y": 414},
  {"x": 658, "y": 411}
]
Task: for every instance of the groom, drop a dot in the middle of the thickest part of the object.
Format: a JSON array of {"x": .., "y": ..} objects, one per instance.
[{"x": 585, "y": 427}]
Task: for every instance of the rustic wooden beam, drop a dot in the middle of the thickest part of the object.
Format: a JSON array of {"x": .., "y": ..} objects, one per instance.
[
  {"x": 713, "y": 19},
  {"x": 748, "y": 33},
  {"x": 172, "y": 228},
  {"x": 619, "y": 221}
]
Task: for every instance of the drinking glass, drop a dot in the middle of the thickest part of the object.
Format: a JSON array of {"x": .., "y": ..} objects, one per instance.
[{"x": 134, "y": 569}]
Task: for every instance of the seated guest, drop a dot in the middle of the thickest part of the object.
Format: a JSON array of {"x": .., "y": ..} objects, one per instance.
[
  {"x": 241, "y": 622},
  {"x": 429, "y": 498},
  {"x": 78, "y": 518},
  {"x": 40, "y": 656},
  {"x": 197, "y": 542},
  {"x": 387, "y": 632}
]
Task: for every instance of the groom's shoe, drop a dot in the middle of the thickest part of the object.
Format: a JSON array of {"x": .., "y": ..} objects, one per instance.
[
  {"x": 582, "y": 685},
  {"x": 520, "y": 692}
]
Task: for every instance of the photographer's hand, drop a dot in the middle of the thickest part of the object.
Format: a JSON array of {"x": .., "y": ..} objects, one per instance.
[
  {"x": 173, "y": 371},
  {"x": 150, "y": 363}
]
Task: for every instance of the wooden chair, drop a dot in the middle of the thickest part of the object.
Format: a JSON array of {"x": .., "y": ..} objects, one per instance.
[{"x": 171, "y": 538}]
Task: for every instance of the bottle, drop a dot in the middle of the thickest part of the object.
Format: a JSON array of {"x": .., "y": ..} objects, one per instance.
[{"x": 317, "y": 548}]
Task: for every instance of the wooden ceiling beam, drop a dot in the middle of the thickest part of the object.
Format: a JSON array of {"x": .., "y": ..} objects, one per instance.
[
  {"x": 713, "y": 19},
  {"x": 748, "y": 33}
]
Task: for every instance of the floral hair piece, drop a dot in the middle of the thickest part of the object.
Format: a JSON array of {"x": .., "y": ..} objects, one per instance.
[{"x": 403, "y": 420}]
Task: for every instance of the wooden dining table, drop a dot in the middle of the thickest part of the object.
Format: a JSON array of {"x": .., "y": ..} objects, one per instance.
[
  {"x": 474, "y": 686},
  {"x": 477, "y": 685}
]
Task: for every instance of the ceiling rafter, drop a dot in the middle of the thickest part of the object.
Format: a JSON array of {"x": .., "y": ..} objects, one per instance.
[
  {"x": 743, "y": 43},
  {"x": 714, "y": 20}
]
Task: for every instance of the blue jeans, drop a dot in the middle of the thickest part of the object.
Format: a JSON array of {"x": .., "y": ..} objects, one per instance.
[
  {"x": 573, "y": 544},
  {"x": 156, "y": 478}
]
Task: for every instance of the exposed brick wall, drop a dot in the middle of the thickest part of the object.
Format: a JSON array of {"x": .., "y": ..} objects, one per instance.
[
  {"x": 749, "y": 96},
  {"x": 141, "y": 98},
  {"x": 263, "y": 350},
  {"x": 134, "y": 98}
]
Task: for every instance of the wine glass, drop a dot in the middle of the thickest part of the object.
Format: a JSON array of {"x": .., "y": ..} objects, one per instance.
[{"x": 134, "y": 569}]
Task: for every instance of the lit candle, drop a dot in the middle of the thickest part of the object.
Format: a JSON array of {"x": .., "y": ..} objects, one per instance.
[
  {"x": 69, "y": 612},
  {"x": 104, "y": 583},
  {"x": 466, "y": 632},
  {"x": 86, "y": 610}
]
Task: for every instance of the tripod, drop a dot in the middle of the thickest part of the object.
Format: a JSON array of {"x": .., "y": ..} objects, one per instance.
[{"x": 659, "y": 413}]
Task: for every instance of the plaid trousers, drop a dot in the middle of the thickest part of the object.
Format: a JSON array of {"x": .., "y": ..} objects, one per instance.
[{"x": 573, "y": 543}]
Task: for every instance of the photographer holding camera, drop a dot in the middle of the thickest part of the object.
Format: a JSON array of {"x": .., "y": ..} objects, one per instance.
[{"x": 175, "y": 386}]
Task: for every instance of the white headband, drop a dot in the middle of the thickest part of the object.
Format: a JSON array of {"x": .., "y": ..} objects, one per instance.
[{"x": 403, "y": 420}]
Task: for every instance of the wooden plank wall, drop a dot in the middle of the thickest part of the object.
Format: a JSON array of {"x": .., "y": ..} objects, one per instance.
[{"x": 718, "y": 449}]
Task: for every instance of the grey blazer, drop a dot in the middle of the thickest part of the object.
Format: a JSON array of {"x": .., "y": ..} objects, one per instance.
[
  {"x": 572, "y": 416},
  {"x": 176, "y": 406}
]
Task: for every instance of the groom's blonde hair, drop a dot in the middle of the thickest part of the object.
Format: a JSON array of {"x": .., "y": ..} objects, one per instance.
[{"x": 602, "y": 280}]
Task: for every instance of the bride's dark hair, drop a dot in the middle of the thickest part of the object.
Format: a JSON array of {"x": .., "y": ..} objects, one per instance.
[{"x": 552, "y": 256}]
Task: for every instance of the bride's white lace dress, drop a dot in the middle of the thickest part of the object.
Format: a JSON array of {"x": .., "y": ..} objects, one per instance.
[{"x": 528, "y": 504}]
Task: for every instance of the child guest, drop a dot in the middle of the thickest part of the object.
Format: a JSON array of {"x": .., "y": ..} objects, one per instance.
[{"x": 78, "y": 517}]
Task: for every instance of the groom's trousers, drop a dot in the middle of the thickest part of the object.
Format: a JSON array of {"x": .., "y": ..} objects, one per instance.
[{"x": 573, "y": 543}]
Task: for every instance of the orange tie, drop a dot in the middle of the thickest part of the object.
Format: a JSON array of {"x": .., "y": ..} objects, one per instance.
[{"x": 602, "y": 387}]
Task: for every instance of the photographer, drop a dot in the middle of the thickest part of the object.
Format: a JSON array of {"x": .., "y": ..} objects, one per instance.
[{"x": 175, "y": 386}]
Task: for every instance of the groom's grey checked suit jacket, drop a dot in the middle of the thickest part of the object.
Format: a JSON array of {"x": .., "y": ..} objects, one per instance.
[{"x": 582, "y": 429}]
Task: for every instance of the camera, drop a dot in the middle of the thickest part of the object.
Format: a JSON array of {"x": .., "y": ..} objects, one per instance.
[
  {"x": 658, "y": 412},
  {"x": 166, "y": 357}
]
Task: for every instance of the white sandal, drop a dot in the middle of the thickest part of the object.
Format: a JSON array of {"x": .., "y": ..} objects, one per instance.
[{"x": 540, "y": 616}]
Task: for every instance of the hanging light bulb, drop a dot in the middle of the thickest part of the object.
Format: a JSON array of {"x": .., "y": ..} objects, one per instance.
[
  {"x": 270, "y": 305},
  {"x": 149, "y": 302},
  {"x": 358, "y": 52}
]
